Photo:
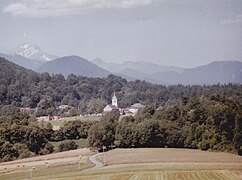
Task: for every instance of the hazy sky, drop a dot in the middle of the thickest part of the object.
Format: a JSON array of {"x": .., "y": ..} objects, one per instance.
[{"x": 183, "y": 33}]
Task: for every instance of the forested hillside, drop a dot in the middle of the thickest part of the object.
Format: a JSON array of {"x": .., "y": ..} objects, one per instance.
[{"x": 23, "y": 88}]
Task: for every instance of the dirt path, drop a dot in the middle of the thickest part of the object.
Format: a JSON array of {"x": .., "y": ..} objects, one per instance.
[{"x": 97, "y": 163}]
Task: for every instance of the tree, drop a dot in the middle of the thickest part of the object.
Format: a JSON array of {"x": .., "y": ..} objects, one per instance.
[
  {"x": 75, "y": 129},
  {"x": 238, "y": 131},
  {"x": 125, "y": 132},
  {"x": 96, "y": 106},
  {"x": 46, "y": 107},
  {"x": 95, "y": 135},
  {"x": 35, "y": 139},
  {"x": 148, "y": 134},
  {"x": 103, "y": 133}
]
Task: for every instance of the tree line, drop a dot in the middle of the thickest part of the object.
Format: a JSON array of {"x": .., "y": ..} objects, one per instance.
[
  {"x": 213, "y": 123},
  {"x": 21, "y": 136}
]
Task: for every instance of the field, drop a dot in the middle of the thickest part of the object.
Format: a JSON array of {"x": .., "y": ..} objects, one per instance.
[
  {"x": 144, "y": 163},
  {"x": 47, "y": 165},
  {"x": 58, "y": 123},
  {"x": 164, "y": 175},
  {"x": 143, "y": 155},
  {"x": 164, "y": 163}
]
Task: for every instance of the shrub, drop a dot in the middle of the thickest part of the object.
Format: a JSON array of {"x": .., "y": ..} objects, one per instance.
[
  {"x": 48, "y": 149},
  {"x": 67, "y": 145},
  {"x": 204, "y": 145}
]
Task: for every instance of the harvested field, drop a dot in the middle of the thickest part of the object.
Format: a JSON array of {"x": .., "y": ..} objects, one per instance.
[
  {"x": 55, "y": 163},
  {"x": 143, "y": 155},
  {"x": 167, "y": 164},
  {"x": 143, "y": 163},
  {"x": 166, "y": 175},
  {"x": 54, "y": 156}
]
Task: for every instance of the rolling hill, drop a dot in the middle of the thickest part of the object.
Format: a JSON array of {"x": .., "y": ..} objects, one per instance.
[{"x": 73, "y": 64}]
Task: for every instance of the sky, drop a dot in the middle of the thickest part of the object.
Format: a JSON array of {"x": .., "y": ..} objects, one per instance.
[{"x": 185, "y": 33}]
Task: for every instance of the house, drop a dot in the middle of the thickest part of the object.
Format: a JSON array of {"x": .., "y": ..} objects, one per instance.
[
  {"x": 126, "y": 111},
  {"x": 135, "y": 107},
  {"x": 64, "y": 107},
  {"x": 160, "y": 108},
  {"x": 109, "y": 108},
  {"x": 25, "y": 110}
]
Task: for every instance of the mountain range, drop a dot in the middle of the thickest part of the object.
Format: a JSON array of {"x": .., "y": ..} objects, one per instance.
[
  {"x": 215, "y": 72},
  {"x": 32, "y": 57},
  {"x": 137, "y": 70}
]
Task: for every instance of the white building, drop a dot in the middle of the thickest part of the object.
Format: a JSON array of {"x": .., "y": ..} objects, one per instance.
[{"x": 135, "y": 107}]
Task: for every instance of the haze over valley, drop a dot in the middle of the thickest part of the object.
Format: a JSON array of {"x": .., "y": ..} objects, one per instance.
[{"x": 32, "y": 57}]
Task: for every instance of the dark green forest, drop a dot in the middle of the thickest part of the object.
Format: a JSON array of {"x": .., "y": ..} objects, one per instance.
[
  {"x": 21, "y": 136},
  {"x": 204, "y": 117},
  {"x": 213, "y": 123},
  {"x": 24, "y": 88}
]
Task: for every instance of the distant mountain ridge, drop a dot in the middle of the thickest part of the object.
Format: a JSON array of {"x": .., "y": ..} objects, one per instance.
[
  {"x": 213, "y": 73},
  {"x": 73, "y": 65},
  {"x": 136, "y": 70},
  {"x": 132, "y": 74},
  {"x": 141, "y": 66}
]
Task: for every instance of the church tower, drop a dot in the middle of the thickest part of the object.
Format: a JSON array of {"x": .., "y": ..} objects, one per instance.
[{"x": 114, "y": 100}]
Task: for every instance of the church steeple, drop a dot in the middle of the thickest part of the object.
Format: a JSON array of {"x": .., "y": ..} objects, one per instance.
[{"x": 114, "y": 100}]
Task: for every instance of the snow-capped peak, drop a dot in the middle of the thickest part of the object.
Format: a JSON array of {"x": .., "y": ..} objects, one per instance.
[
  {"x": 27, "y": 50},
  {"x": 31, "y": 51}
]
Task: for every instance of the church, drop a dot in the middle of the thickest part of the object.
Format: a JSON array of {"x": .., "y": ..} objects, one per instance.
[{"x": 112, "y": 106}]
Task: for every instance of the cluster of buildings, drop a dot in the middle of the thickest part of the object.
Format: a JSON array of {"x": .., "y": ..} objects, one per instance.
[{"x": 133, "y": 109}]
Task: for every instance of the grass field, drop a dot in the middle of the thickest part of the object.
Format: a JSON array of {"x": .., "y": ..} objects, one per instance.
[
  {"x": 61, "y": 121},
  {"x": 144, "y": 163}
]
